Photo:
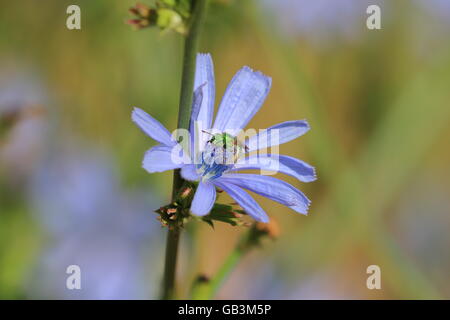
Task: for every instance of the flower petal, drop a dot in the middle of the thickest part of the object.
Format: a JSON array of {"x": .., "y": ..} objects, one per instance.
[
  {"x": 204, "y": 79},
  {"x": 189, "y": 173},
  {"x": 279, "y": 163},
  {"x": 193, "y": 125},
  {"x": 204, "y": 199},
  {"x": 159, "y": 159},
  {"x": 287, "y": 131},
  {"x": 242, "y": 99},
  {"x": 271, "y": 188},
  {"x": 251, "y": 207},
  {"x": 152, "y": 127}
]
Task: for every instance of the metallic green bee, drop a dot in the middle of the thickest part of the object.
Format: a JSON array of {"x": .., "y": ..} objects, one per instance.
[{"x": 223, "y": 148}]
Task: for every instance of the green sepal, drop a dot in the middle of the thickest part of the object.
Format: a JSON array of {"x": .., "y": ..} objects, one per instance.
[
  {"x": 224, "y": 213},
  {"x": 176, "y": 214},
  {"x": 168, "y": 19},
  {"x": 183, "y": 7}
]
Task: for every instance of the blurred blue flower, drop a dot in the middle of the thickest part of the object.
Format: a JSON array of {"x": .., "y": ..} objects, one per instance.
[
  {"x": 321, "y": 21},
  {"x": 23, "y": 123},
  {"x": 212, "y": 163},
  {"x": 439, "y": 8},
  {"x": 93, "y": 223}
]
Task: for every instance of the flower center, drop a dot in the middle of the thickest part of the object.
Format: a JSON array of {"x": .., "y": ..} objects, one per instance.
[{"x": 220, "y": 153}]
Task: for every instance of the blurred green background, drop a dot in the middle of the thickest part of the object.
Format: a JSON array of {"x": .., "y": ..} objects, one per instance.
[{"x": 72, "y": 190}]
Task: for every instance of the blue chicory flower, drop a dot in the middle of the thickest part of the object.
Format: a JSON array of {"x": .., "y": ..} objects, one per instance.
[{"x": 243, "y": 98}]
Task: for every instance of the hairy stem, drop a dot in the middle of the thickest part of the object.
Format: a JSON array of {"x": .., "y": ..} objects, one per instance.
[{"x": 184, "y": 113}]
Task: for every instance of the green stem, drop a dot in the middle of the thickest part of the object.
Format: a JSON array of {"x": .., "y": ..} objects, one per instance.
[
  {"x": 190, "y": 54},
  {"x": 184, "y": 113},
  {"x": 173, "y": 237},
  {"x": 208, "y": 290},
  {"x": 224, "y": 271}
]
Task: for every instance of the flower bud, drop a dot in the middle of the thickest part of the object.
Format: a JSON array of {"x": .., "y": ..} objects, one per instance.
[
  {"x": 143, "y": 10},
  {"x": 169, "y": 19},
  {"x": 270, "y": 229}
]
